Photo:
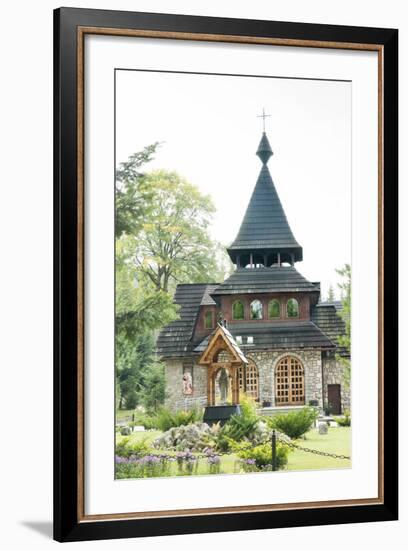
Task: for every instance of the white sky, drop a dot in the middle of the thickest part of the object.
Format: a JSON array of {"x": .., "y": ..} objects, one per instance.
[{"x": 210, "y": 130}]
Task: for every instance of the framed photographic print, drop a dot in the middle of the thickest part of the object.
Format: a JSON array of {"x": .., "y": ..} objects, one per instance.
[{"x": 225, "y": 274}]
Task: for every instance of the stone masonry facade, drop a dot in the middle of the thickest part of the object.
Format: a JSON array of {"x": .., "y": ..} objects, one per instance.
[
  {"x": 266, "y": 362},
  {"x": 333, "y": 373}
]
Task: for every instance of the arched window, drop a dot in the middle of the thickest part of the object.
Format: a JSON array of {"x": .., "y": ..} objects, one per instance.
[
  {"x": 256, "y": 309},
  {"x": 289, "y": 382},
  {"x": 252, "y": 380},
  {"x": 274, "y": 309},
  {"x": 209, "y": 320},
  {"x": 237, "y": 310},
  {"x": 292, "y": 308}
]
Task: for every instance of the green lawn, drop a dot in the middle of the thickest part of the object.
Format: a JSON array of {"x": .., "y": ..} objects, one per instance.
[
  {"x": 338, "y": 441},
  {"x": 121, "y": 414}
]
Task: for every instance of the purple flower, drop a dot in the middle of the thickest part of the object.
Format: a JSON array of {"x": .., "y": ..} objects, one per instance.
[{"x": 185, "y": 455}]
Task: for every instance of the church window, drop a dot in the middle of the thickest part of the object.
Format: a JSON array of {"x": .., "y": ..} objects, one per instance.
[
  {"x": 289, "y": 382},
  {"x": 209, "y": 320},
  {"x": 274, "y": 309},
  {"x": 256, "y": 309},
  {"x": 252, "y": 380},
  {"x": 292, "y": 308},
  {"x": 238, "y": 310}
]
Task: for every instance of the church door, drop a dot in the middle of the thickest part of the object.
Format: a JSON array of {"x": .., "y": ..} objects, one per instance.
[
  {"x": 334, "y": 398},
  {"x": 289, "y": 382}
]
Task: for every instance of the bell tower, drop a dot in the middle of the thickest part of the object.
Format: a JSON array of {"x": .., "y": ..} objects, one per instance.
[{"x": 265, "y": 237}]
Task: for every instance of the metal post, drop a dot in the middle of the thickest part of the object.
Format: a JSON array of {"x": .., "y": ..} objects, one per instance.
[
  {"x": 273, "y": 451},
  {"x": 133, "y": 420}
]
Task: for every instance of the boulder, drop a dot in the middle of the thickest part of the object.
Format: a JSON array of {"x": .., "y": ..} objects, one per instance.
[{"x": 323, "y": 428}]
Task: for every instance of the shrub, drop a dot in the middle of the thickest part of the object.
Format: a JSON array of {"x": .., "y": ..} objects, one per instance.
[
  {"x": 296, "y": 423},
  {"x": 237, "y": 428},
  {"x": 248, "y": 406},
  {"x": 127, "y": 448},
  {"x": 246, "y": 426},
  {"x": 260, "y": 457},
  {"x": 166, "y": 419},
  {"x": 345, "y": 420}
]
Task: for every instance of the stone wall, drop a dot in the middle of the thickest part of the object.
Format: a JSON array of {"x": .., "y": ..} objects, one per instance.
[
  {"x": 175, "y": 399},
  {"x": 266, "y": 361},
  {"x": 333, "y": 373}
]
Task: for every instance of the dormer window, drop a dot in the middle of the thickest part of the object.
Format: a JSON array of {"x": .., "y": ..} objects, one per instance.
[
  {"x": 256, "y": 309},
  {"x": 209, "y": 320},
  {"x": 292, "y": 308}
]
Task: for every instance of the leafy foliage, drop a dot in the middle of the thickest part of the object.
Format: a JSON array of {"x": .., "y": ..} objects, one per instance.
[
  {"x": 262, "y": 455},
  {"x": 345, "y": 313},
  {"x": 127, "y": 448},
  {"x": 239, "y": 426},
  {"x": 295, "y": 423},
  {"x": 162, "y": 238},
  {"x": 133, "y": 194},
  {"x": 174, "y": 245},
  {"x": 344, "y": 421},
  {"x": 166, "y": 419}
]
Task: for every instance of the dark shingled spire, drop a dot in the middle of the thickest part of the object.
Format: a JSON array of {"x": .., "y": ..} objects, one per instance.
[
  {"x": 265, "y": 231},
  {"x": 264, "y": 151}
]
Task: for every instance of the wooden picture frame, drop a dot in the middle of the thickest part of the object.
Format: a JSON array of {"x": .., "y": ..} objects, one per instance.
[{"x": 70, "y": 27}]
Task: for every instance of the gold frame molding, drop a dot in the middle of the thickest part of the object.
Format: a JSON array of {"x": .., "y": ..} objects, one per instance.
[{"x": 82, "y": 31}]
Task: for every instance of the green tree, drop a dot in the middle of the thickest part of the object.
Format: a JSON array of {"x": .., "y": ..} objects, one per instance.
[
  {"x": 133, "y": 195},
  {"x": 140, "y": 311},
  {"x": 154, "y": 392},
  {"x": 174, "y": 245},
  {"x": 133, "y": 359},
  {"x": 330, "y": 294},
  {"x": 344, "y": 340}
]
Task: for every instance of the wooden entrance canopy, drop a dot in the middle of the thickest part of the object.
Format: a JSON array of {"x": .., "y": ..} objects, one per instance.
[{"x": 222, "y": 352}]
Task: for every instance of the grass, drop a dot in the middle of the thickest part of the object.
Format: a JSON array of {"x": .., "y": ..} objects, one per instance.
[
  {"x": 338, "y": 440},
  {"x": 122, "y": 414},
  {"x": 148, "y": 435}
]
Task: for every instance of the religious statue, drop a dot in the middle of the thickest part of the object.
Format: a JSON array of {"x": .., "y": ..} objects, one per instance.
[
  {"x": 187, "y": 383},
  {"x": 223, "y": 383}
]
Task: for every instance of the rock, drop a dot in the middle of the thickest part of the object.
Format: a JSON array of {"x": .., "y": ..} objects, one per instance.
[
  {"x": 125, "y": 430},
  {"x": 193, "y": 437},
  {"x": 323, "y": 428}
]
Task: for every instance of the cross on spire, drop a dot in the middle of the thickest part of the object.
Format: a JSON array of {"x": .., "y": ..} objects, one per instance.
[{"x": 263, "y": 116}]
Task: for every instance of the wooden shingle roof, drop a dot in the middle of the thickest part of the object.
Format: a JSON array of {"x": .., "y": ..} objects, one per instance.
[
  {"x": 265, "y": 226},
  {"x": 265, "y": 279},
  {"x": 175, "y": 339},
  {"x": 325, "y": 316},
  {"x": 277, "y": 335}
]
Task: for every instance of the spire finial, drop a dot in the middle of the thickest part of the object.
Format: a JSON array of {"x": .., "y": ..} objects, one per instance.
[{"x": 263, "y": 116}]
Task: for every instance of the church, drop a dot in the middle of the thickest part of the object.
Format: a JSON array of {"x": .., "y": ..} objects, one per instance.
[{"x": 263, "y": 331}]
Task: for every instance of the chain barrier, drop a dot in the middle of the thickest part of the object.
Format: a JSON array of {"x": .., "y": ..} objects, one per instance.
[
  {"x": 312, "y": 451},
  {"x": 282, "y": 440}
]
